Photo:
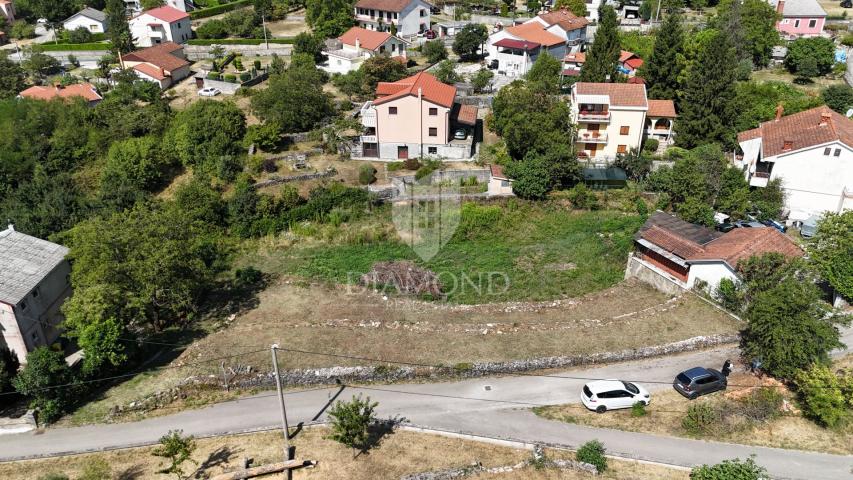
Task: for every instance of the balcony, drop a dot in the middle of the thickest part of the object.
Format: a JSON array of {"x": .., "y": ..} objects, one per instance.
[
  {"x": 592, "y": 136},
  {"x": 759, "y": 179},
  {"x": 598, "y": 116},
  {"x": 368, "y": 139},
  {"x": 368, "y": 115}
]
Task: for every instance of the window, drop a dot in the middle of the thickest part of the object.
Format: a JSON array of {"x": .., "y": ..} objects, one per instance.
[
  {"x": 837, "y": 152},
  {"x": 812, "y": 23},
  {"x": 393, "y": 47},
  {"x": 423, "y": 13},
  {"x": 622, "y": 149},
  {"x": 433, "y": 112},
  {"x": 392, "y": 110},
  {"x": 705, "y": 380},
  {"x": 827, "y": 151},
  {"x": 36, "y": 292},
  {"x": 433, "y": 132},
  {"x": 432, "y": 150},
  {"x": 785, "y": 21},
  {"x": 504, "y": 183},
  {"x": 623, "y": 130},
  {"x": 23, "y": 305},
  {"x": 796, "y": 24},
  {"x": 179, "y": 24}
]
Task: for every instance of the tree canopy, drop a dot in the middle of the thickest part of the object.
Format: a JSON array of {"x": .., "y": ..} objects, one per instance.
[
  {"x": 468, "y": 41},
  {"x": 831, "y": 251},
  {"x": 810, "y": 57},
  {"x": 295, "y": 99},
  {"x": 207, "y": 135},
  {"x": 329, "y": 18},
  {"x": 603, "y": 56},
  {"x": 662, "y": 70}
]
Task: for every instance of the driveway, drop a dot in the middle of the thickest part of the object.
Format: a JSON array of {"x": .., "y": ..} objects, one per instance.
[{"x": 495, "y": 407}]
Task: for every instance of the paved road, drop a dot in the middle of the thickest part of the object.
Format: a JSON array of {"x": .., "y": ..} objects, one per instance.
[{"x": 501, "y": 410}]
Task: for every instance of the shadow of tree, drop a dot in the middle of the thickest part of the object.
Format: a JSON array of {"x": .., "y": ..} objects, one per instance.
[
  {"x": 220, "y": 456},
  {"x": 377, "y": 432},
  {"x": 130, "y": 473}
]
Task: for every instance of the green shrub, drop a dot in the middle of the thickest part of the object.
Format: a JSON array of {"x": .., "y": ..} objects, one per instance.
[
  {"x": 394, "y": 166},
  {"x": 265, "y": 136},
  {"x": 212, "y": 29},
  {"x": 642, "y": 208},
  {"x": 62, "y": 47},
  {"x": 214, "y": 76},
  {"x": 257, "y": 64},
  {"x": 651, "y": 145},
  {"x": 96, "y": 468},
  {"x": 21, "y": 30},
  {"x": 411, "y": 164},
  {"x": 427, "y": 168},
  {"x": 350, "y": 422},
  {"x": 227, "y": 7},
  {"x": 826, "y": 397},
  {"x": 730, "y": 294},
  {"x": 229, "y": 77},
  {"x": 248, "y": 276},
  {"x": 592, "y": 452},
  {"x": 80, "y": 35},
  {"x": 730, "y": 470},
  {"x": 762, "y": 405},
  {"x": 366, "y": 174},
  {"x": 700, "y": 419},
  {"x": 638, "y": 409},
  {"x": 847, "y": 40},
  {"x": 582, "y": 197}
]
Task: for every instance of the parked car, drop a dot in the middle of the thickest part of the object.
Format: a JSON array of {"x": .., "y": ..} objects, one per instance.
[
  {"x": 460, "y": 134},
  {"x": 724, "y": 227},
  {"x": 847, "y": 4},
  {"x": 748, "y": 224},
  {"x": 775, "y": 224},
  {"x": 699, "y": 381},
  {"x": 209, "y": 92},
  {"x": 604, "y": 395},
  {"x": 809, "y": 227},
  {"x": 430, "y": 34}
]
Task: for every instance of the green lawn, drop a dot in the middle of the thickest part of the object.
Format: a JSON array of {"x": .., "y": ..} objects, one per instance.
[{"x": 500, "y": 252}]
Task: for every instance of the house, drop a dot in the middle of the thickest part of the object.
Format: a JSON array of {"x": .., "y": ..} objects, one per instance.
[
  {"x": 659, "y": 121},
  {"x": 95, "y": 21},
  {"x": 611, "y": 118},
  {"x": 449, "y": 29},
  {"x": 85, "y": 91},
  {"x": 811, "y": 152},
  {"x": 572, "y": 64},
  {"x": 499, "y": 183},
  {"x": 358, "y": 44},
  {"x": 7, "y": 10},
  {"x": 164, "y": 64},
  {"x": 416, "y": 117},
  {"x": 410, "y": 17},
  {"x": 629, "y": 63},
  {"x": 556, "y": 33},
  {"x": 800, "y": 18},
  {"x": 160, "y": 25},
  {"x": 134, "y": 7},
  {"x": 33, "y": 285},
  {"x": 686, "y": 255}
]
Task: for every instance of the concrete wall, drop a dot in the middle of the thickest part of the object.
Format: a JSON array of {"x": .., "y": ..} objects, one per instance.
[
  {"x": 227, "y": 88},
  {"x": 202, "y": 52},
  {"x": 655, "y": 277},
  {"x": 710, "y": 273},
  {"x": 499, "y": 186}
]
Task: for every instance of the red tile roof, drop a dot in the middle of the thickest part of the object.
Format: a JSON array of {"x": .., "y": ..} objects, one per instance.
[
  {"x": 742, "y": 243},
  {"x": 159, "y": 55},
  {"x": 661, "y": 108},
  {"x": 567, "y": 20},
  {"x": 368, "y": 39},
  {"x": 535, "y": 32},
  {"x": 636, "y": 81},
  {"x": 467, "y": 115},
  {"x": 167, "y": 14},
  {"x": 497, "y": 171},
  {"x": 517, "y": 44},
  {"x": 803, "y": 130},
  {"x": 621, "y": 94},
  {"x": 671, "y": 242},
  {"x": 386, "y": 5},
  {"x": 578, "y": 57},
  {"x": 150, "y": 70},
  {"x": 429, "y": 86},
  {"x": 85, "y": 90}
]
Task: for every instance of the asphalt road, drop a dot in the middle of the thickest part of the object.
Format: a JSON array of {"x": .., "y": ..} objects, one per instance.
[{"x": 495, "y": 407}]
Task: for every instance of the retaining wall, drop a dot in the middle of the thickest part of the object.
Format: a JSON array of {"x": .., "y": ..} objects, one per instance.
[
  {"x": 202, "y": 52},
  {"x": 646, "y": 274}
]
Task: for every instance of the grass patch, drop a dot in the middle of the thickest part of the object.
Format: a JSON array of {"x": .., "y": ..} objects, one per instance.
[
  {"x": 779, "y": 74},
  {"x": 75, "y": 47}
]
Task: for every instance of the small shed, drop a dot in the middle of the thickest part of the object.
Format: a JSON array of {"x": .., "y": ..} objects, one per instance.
[{"x": 605, "y": 178}]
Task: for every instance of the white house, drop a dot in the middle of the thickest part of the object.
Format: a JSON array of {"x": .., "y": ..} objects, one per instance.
[
  {"x": 358, "y": 44},
  {"x": 499, "y": 184},
  {"x": 159, "y": 25},
  {"x": 134, "y": 7},
  {"x": 92, "y": 20},
  {"x": 164, "y": 64},
  {"x": 409, "y": 16},
  {"x": 564, "y": 24},
  {"x": 811, "y": 152}
]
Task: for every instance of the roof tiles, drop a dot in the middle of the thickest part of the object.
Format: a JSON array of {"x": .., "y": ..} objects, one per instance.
[
  {"x": 567, "y": 20},
  {"x": 159, "y": 55},
  {"x": 801, "y": 130},
  {"x": 432, "y": 90},
  {"x": 85, "y": 90},
  {"x": 368, "y": 39},
  {"x": 535, "y": 32},
  {"x": 621, "y": 94},
  {"x": 661, "y": 108},
  {"x": 167, "y": 14}
]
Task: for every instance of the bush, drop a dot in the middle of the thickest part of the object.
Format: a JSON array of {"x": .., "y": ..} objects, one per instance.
[
  {"x": 231, "y": 78},
  {"x": 21, "y": 30},
  {"x": 434, "y": 51},
  {"x": 730, "y": 470},
  {"x": 825, "y": 396},
  {"x": 847, "y": 40},
  {"x": 351, "y": 421},
  {"x": 582, "y": 197},
  {"x": 247, "y": 277},
  {"x": 592, "y": 452},
  {"x": 394, "y": 166},
  {"x": 96, "y": 468},
  {"x": 245, "y": 77},
  {"x": 212, "y": 29},
  {"x": 257, "y": 64},
  {"x": 700, "y": 419},
  {"x": 214, "y": 76},
  {"x": 265, "y": 136},
  {"x": 227, "y": 7},
  {"x": 46, "y": 368},
  {"x": 642, "y": 208},
  {"x": 638, "y": 409},
  {"x": 411, "y": 164},
  {"x": 731, "y": 295},
  {"x": 366, "y": 174},
  {"x": 651, "y": 145},
  {"x": 762, "y": 405},
  {"x": 80, "y": 35},
  {"x": 427, "y": 168}
]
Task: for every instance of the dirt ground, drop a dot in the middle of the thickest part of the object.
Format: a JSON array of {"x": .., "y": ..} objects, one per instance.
[
  {"x": 833, "y": 8},
  {"x": 288, "y": 27},
  {"x": 398, "y": 454},
  {"x": 185, "y": 93},
  {"x": 668, "y": 408},
  {"x": 781, "y": 75}
]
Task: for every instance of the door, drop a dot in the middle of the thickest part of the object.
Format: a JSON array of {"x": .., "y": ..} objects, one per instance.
[
  {"x": 402, "y": 153},
  {"x": 624, "y": 399},
  {"x": 591, "y": 148},
  {"x": 706, "y": 384}
]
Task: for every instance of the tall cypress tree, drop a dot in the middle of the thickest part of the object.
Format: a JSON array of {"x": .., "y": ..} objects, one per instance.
[
  {"x": 707, "y": 113},
  {"x": 603, "y": 56},
  {"x": 118, "y": 30},
  {"x": 662, "y": 70}
]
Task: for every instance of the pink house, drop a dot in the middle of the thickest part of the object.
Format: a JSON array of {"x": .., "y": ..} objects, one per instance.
[{"x": 800, "y": 18}]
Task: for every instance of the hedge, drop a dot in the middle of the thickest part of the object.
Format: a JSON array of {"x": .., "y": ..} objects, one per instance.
[
  {"x": 209, "y": 12},
  {"x": 75, "y": 47},
  {"x": 237, "y": 41}
]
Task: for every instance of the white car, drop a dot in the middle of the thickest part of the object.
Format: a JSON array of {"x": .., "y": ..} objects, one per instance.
[
  {"x": 209, "y": 92},
  {"x": 604, "y": 395}
]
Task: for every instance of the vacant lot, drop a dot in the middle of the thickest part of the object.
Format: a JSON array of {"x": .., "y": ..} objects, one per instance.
[
  {"x": 398, "y": 454},
  {"x": 779, "y": 74},
  {"x": 668, "y": 408}
]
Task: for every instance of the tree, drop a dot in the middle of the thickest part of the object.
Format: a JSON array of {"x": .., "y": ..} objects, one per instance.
[
  {"x": 767, "y": 202},
  {"x": 758, "y": 21},
  {"x": 309, "y": 44},
  {"x": 46, "y": 368},
  {"x": 810, "y": 57},
  {"x": 544, "y": 75},
  {"x": 178, "y": 449},
  {"x": 788, "y": 327},
  {"x": 695, "y": 210},
  {"x": 446, "y": 72},
  {"x": 730, "y": 470},
  {"x": 578, "y": 7},
  {"x": 707, "y": 112},
  {"x": 381, "y": 68},
  {"x": 205, "y": 132},
  {"x": 529, "y": 120},
  {"x": 329, "y": 18},
  {"x": 136, "y": 161},
  {"x": 80, "y": 35},
  {"x": 530, "y": 178},
  {"x": 593, "y": 452},
  {"x": 826, "y": 397},
  {"x": 831, "y": 251},
  {"x": 12, "y": 77},
  {"x": 662, "y": 70},
  {"x": 533, "y": 6},
  {"x": 266, "y": 136},
  {"x": 836, "y": 97},
  {"x": 40, "y": 65},
  {"x": 469, "y": 40},
  {"x": 53, "y": 10},
  {"x": 295, "y": 100},
  {"x": 434, "y": 51},
  {"x": 213, "y": 29},
  {"x": 351, "y": 421},
  {"x": 351, "y": 84},
  {"x": 118, "y": 31},
  {"x": 366, "y": 174},
  {"x": 8, "y": 369},
  {"x": 149, "y": 4},
  {"x": 603, "y": 56},
  {"x": 482, "y": 80}
]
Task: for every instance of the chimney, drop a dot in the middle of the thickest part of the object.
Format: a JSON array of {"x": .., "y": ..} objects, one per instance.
[
  {"x": 420, "y": 92},
  {"x": 11, "y": 227},
  {"x": 357, "y": 45},
  {"x": 779, "y": 111},
  {"x": 162, "y": 72},
  {"x": 824, "y": 119},
  {"x": 780, "y": 7}
]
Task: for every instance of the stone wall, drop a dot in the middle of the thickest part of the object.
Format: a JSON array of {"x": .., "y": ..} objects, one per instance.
[{"x": 202, "y": 52}]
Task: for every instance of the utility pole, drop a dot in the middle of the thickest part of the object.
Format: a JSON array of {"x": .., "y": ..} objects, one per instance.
[
  {"x": 264, "y": 27},
  {"x": 284, "y": 426}
]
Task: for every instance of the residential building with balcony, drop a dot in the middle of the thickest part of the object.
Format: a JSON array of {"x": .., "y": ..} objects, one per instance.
[
  {"x": 134, "y": 7},
  {"x": 409, "y": 16},
  {"x": 564, "y": 24},
  {"x": 357, "y": 45},
  {"x": 160, "y": 25},
  {"x": 811, "y": 152},
  {"x": 660, "y": 120},
  {"x": 799, "y": 18},
  {"x": 416, "y": 117},
  {"x": 164, "y": 64}
]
